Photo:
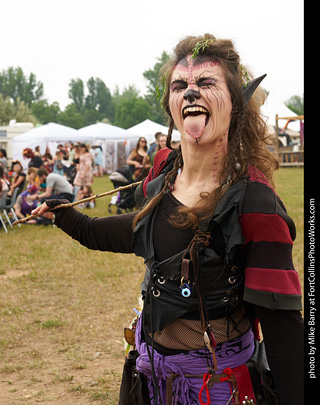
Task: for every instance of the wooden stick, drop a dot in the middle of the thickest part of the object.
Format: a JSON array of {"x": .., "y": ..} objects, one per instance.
[{"x": 93, "y": 197}]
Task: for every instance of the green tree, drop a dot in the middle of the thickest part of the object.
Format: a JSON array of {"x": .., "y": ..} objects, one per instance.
[
  {"x": 131, "y": 111},
  {"x": 76, "y": 94},
  {"x": 99, "y": 98},
  {"x": 15, "y": 84},
  {"x": 71, "y": 117},
  {"x": 154, "y": 87},
  {"x": 97, "y": 104},
  {"x": 45, "y": 112},
  {"x": 18, "y": 111},
  {"x": 296, "y": 104},
  {"x": 7, "y": 110}
]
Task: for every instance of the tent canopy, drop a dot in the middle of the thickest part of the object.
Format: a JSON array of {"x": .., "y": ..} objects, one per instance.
[
  {"x": 45, "y": 135},
  {"x": 148, "y": 129},
  {"x": 116, "y": 143},
  {"x": 52, "y": 132},
  {"x": 102, "y": 131}
]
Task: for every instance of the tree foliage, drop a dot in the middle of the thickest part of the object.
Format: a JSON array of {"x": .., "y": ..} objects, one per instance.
[
  {"x": 21, "y": 98},
  {"x": 16, "y": 85},
  {"x": 132, "y": 111},
  {"x": 296, "y": 104},
  {"x": 45, "y": 112},
  {"x": 71, "y": 117},
  {"x": 155, "y": 86},
  {"x": 18, "y": 111}
]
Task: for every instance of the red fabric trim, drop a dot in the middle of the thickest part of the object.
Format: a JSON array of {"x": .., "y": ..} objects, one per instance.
[
  {"x": 257, "y": 175},
  {"x": 243, "y": 378},
  {"x": 273, "y": 280},
  {"x": 159, "y": 163},
  {"x": 265, "y": 227},
  {"x": 255, "y": 328}
]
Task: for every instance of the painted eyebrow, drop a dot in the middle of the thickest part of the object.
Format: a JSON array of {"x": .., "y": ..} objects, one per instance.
[{"x": 178, "y": 82}]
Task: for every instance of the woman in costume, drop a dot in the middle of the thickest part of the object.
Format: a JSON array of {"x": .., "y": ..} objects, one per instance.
[
  {"x": 137, "y": 159},
  {"x": 226, "y": 259}
]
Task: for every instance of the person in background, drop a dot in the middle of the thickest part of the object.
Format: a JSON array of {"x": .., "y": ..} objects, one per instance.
[
  {"x": 85, "y": 192},
  {"x": 153, "y": 146},
  {"x": 64, "y": 151},
  {"x": 71, "y": 151},
  {"x": 36, "y": 160},
  {"x": 136, "y": 157},
  {"x": 48, "y": 160},
  {"x": 84, "y": 176},
  {"x": 4, "y": 183},
  {"x": 18, "y": 179},
  {"x": 24, "y": 204},
  {"x": 161, "y": 143},
  {"x": 32, "y": 177},
  {"x": 57, "y": 163},
  {"x": 56, "y": 186},
  {"x": 98, "y": 160},
  {"x": 3, "y": 160}
]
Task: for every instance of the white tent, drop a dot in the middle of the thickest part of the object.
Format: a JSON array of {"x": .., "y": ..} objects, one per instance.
[
  {"x": 102, "y": 131},
  {"x": 273, "y": 106},
  {"x": 46, "y": 135},
  {"x": 148, "y": 129},
  {"x": 116, "y": 143}
]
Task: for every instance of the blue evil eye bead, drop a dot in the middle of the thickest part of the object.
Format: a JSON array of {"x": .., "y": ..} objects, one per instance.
[{"x": 185, "y": 290}]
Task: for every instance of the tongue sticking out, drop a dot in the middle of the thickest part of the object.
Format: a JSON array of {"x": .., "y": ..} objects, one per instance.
[{"x": 194, "y": 125}]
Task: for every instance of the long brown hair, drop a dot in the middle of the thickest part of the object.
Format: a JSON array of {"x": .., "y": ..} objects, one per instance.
[{"x": 247, "y": 138}]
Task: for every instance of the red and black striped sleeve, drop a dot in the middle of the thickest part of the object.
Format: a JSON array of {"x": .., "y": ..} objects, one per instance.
[{"x": 270, "y": 278}]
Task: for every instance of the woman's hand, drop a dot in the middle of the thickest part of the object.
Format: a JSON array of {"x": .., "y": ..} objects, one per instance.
[
  {"x": 50, "y": 204},
  {"x": 43, "y": 210}
]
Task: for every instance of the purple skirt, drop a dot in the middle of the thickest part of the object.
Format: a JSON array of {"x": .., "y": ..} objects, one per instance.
[{"x": 231, "y": 354}]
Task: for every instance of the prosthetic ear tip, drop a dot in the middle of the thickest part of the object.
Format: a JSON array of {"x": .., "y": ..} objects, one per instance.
[{"x": 249, "y": 88}]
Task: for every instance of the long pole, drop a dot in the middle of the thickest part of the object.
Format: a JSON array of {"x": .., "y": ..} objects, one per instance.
[{"x": 72, "y": 204}]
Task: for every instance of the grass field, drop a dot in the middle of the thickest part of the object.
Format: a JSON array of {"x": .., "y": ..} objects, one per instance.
[{"x": 63, "y": 308}]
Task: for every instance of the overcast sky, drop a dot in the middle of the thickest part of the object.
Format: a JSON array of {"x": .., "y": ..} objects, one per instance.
[{"x": 118, "y": 40}]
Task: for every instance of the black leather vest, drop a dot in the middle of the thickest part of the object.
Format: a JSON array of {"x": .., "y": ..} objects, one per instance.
[{"x": 222, "y": 281}]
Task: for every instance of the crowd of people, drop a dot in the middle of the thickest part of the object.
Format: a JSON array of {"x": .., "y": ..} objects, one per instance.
[{"x": 68, "y": 173}]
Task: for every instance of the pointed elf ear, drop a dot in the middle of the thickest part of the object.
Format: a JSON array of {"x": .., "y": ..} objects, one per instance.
[{"x": 248, "y": 89}]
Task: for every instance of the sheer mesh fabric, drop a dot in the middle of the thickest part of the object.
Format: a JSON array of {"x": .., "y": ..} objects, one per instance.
[{"x": 185, "y": 334}]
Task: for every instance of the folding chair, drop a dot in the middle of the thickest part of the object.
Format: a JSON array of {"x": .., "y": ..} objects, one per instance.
[
  {"x": 2, "y": 205},
  {"x": 9, "y": 207}
]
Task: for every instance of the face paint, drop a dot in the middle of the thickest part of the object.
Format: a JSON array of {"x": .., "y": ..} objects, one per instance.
[{"x": 199, "y": 98}]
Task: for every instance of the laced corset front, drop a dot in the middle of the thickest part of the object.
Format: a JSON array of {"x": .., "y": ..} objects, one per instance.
[{"x": 186, "y": 334}]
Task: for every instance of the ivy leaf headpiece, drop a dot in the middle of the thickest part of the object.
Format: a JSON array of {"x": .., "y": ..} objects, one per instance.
[{"x": 200, "y": 46}]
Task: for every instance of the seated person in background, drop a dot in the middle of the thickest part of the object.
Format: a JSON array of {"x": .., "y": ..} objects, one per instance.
[
  {"x": 19, "y": 177},
  {"x": 24, "y": 204},
  {"x": 32, "y": 177},
  {"x": 4, "y": 185},
  {"x": 56, "y": 186},
  {"x": 3, "y": 159},
  {"x": 85, "y": 192}
]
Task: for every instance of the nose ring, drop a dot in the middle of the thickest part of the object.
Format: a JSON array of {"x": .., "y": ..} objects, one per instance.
[{"x": 191, "y": 96}]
